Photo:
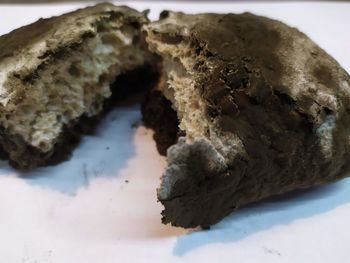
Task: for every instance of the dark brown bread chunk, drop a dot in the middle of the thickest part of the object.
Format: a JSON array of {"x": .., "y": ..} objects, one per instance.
[
  {"x": 264, "y": 109},
  {"x": 56, "y": 75}
]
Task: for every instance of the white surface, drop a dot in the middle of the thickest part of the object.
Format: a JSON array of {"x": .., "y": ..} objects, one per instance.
[{"x": 84, "y": 211}]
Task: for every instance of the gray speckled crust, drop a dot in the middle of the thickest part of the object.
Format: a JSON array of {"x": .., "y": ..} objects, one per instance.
[{"x": 270, "y": 86}]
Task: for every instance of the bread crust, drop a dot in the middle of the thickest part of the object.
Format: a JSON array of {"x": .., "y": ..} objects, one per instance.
[
  {"x": 26, "y": 51},
  {"x": 267, "y": 86}
]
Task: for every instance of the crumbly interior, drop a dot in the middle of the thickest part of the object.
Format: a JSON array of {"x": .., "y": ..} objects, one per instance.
[
  {"x": 180, "y": 89},
  {"x": 190, "y": 107},
  {"x": 76, "y": 85}
]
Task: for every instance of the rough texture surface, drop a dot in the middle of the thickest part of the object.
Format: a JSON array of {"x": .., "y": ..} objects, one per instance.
[
  {"x": 56, "y": 73},
  {"x": 275, "y": 107},
  {"x": 127, "y": 88}
]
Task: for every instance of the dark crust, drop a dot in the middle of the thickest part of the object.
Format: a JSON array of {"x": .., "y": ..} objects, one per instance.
[
  {"x": 63, "y": 51},
  {"x": 158, "y": 115},
  {"x": 46, "y": 29},
  {"x": 245, "y": 97},
  {"x": 27, "y": 157}
]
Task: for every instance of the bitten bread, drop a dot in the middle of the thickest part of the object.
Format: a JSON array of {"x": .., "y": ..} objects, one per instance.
[
  {"x": 262, "y": 109},
  {"x": 57, "y": 72}
]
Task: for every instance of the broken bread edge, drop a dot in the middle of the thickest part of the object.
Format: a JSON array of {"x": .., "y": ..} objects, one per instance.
[
  {"x": 56, "y": 74},
  {"x": 264, "y": 109}
]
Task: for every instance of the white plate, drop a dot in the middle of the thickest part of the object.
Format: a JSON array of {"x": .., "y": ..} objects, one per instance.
[{"x": 101, "y": 205}]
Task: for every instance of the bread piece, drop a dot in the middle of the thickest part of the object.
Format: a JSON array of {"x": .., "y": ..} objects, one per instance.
[
  {"x": 56, "y": 73},
  {"x": 264, "y": 109}
]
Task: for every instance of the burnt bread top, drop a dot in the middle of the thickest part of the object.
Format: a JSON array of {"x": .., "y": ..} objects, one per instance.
[
  {"x": 229, "y": 48},
  {"x": 27, "y": 50},
  {"x": 266, "y": 112}
]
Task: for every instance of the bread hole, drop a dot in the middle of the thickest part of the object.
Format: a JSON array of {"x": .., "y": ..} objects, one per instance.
[
  {"x": 74, "y": 70},
  {"x": 110, "y": 39},
  {"x": 327, "y": 111},
  {"x": 131, "y": 57},
  {"x": 53, "y": 96},
  {"x": 245, "y": 82},
  {"x": 102, "y": 27},
  {"x": 43, "y": 145},
  {"x": 164, "y": 14},
  {"x": 285, "y": 99},
  {"x": 55, "y": 73},
  {"x": 136, "y": 39},
  {"x": 103, "y": 78},
  {"x": 253, "y": 100}
]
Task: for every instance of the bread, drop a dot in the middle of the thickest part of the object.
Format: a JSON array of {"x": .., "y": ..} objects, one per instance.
[
  {"x": 56, "y": 74},
  {"x": 262, "y": 108},
  {"x": 246, "y": 107}
]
